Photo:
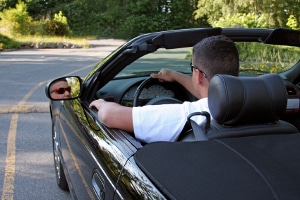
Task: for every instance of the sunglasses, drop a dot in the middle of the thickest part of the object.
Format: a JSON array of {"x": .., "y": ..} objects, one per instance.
[
  {"x": 61, "y": 90},
  {"x": 195, "y": 67}
]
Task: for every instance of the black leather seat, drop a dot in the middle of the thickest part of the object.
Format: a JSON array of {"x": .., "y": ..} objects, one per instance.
[{"x": 244, "y": 106}]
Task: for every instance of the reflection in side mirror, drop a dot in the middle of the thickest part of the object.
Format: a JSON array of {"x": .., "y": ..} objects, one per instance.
[{"x": 64, "y": 88}]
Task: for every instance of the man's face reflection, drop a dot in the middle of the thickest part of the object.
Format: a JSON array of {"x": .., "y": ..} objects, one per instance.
[{"x": 60, "y": 90}]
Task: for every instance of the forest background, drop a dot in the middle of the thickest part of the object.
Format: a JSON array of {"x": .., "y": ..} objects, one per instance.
[{"x": 124, "y": 19}]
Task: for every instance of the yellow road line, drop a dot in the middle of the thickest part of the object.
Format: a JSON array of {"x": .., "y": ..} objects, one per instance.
[
  {"x": 39, "y": 108},
  {"x": 9, "y": 177},
  {"x": 22, "y": 102},
  {"x": 10, "y": 162}
]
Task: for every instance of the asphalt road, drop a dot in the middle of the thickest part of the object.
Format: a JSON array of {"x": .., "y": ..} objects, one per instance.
[{"x": 26, "y": 160}]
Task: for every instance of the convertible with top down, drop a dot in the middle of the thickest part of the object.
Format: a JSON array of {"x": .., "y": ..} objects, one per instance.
[{"x": 249, "y": 150}]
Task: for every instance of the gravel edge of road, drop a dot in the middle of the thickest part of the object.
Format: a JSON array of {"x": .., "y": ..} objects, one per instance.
[{"x": 42, "y": 107}]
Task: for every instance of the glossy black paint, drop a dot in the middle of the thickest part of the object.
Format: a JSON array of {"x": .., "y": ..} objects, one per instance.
[
  {"x": 98, "y": 162},
  {"x": 88, "y": 149}
]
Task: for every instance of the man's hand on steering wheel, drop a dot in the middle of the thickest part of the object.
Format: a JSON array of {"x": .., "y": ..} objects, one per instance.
[
  {"x": 154, "y": 101},
  {"x": 164, "y": 75}
]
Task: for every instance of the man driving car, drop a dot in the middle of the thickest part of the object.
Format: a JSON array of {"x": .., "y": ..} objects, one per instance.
[{"x": 212, "y": 55}]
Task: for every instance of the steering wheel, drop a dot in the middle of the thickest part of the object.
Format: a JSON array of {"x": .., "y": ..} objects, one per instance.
[{"x": 154, "y": 101}]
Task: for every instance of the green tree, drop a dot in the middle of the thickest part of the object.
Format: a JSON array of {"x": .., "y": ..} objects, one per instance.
[
  {"x": 156, "y": 15},
  {"x": 6, "y": 4},
  {"x": 16, "y": 20},
  {"x": 119, "y": 18},
  {"x": 56, "y": 26},
  {"x": 260, "y": 13}
]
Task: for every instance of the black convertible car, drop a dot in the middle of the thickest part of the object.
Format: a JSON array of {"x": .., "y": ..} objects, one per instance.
[{"x": 250, "y": 150}]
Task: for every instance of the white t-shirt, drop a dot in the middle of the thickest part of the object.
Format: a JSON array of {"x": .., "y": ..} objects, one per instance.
[{"x": 153, "y": 123}]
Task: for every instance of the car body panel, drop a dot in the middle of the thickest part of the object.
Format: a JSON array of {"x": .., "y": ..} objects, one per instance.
[{"x": 230, "y": 168}]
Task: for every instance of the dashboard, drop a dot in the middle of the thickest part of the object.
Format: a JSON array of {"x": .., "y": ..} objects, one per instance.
[
  {"x": 122, "y": 91},
  {"x": 293, "y": 97},
  {"x": 154, "y": 91}
]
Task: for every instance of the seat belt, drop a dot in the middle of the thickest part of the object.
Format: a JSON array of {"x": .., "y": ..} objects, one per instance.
[{"x": 199, "y": 132}]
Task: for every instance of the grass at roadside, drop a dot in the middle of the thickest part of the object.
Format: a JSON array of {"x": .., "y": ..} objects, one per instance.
[
  {"x": 8, "y": 43},
  {"x": 16, "y": 42}
]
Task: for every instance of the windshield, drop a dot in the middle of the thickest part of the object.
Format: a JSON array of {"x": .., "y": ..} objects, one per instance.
[
  {"x": 255, "y": 58},
  {"x": 176, "y": 59}
]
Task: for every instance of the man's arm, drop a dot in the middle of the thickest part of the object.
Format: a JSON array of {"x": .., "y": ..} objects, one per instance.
[
  {"x": 183, "y": 79},
  {"x": 114, "y": 115}
]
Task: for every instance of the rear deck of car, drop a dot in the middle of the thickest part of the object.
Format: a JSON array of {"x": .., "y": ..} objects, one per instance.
[{"x": 255, "y": 167}]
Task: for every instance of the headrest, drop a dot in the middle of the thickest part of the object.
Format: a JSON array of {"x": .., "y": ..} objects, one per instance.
[{"x": 246, "y": 100}]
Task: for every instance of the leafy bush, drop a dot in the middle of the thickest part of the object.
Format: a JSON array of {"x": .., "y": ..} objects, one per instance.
[
  {"x": 7, "y": 43},
  {"x": 53, "y": 27},
  {"x": 57, "y": 26},
  {"x": 16, "y": 20},
  {"x": 292, "y": 22}
]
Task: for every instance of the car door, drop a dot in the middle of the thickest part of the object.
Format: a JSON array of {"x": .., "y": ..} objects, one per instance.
[{"x": 92, "y": 160}]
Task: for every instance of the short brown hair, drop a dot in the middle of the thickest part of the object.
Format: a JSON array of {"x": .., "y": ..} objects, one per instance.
[{"x": 216, "y": 55}]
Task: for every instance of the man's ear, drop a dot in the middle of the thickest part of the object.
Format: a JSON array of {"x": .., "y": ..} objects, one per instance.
[{"x": 199, "y": 77}]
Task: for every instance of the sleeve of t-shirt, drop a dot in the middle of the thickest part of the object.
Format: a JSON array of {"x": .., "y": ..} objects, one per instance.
[
  {"x": 158, "y": 122},
  {"x": 165, "y": 122}
]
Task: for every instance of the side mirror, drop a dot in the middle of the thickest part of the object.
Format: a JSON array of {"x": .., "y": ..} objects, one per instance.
[{"x": 64, "y": 88}]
